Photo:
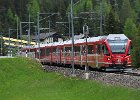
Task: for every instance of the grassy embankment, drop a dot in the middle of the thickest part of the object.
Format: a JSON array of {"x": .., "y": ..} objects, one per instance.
[{"x": 23, "y": 79}]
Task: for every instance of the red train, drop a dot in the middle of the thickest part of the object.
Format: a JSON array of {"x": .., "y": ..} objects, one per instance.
[{"x": 112, "y": 51}]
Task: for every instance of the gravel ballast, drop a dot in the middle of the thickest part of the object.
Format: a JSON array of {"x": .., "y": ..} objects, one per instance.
[{"x": 108, "y": 78}]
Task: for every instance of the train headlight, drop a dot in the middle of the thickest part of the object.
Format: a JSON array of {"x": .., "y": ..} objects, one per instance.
[
  {"x": 108, "y": 59},
  {"x": 127, "y": 58}
]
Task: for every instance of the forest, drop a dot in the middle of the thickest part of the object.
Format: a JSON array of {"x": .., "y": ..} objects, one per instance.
[{"x": 102, "y": 16}]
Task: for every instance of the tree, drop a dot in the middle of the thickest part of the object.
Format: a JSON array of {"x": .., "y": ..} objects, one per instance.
[
  {"x": 112, "y": 25},
  {"x": 136, "y": 51},
  {"x": 10, "y": 17},
  {"x": 33, "y": 8},
  {"x": 127, "y": 12},
  {"x": 135, "y": 4},
  {"x": 130, "y": 28}
]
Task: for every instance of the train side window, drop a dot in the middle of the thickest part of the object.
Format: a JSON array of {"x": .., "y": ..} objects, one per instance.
[
  {"x": 41, "y": 52},
  {"x": 47, "y": 51},
  {"x": 77, "y": 50},
  {"x": 90, "y": 49},
  {"x": 68, "y": 51},
  {"x": 54, "y": 51},
  {"x": 58, "y": 51},
  {"x": 63, "y": 51}
]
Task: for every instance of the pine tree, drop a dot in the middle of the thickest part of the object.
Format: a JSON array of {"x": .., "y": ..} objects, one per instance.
[
  {"x": 11, "y": 18},
  {"x": 130, "y": 28},
  {"x": 112, "y": 25},
  {"x": 127, "y": 12},
  {"x": 33, "y": 8}
]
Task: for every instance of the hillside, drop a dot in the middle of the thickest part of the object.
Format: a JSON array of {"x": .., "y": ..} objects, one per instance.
[{"x": 23, "y": 79}]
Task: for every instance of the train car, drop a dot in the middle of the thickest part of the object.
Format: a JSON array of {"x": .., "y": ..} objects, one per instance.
[{"x": 105, "y": 52}]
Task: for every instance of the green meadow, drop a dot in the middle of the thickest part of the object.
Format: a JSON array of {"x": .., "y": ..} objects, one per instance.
[{"x": 24, "y": 79}]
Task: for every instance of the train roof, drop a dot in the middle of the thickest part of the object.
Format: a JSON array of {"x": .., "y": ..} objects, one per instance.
[
  {"x": 78, "y": 41},
  {"x": 90, "y": 39},
  {"x": 116, "y": 37}
]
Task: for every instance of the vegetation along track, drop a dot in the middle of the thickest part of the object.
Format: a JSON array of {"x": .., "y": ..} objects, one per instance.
[{"x": 118, "y": 79}]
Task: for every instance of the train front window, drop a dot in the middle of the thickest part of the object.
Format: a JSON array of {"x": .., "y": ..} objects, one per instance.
[{"x": 118, "y": 46}]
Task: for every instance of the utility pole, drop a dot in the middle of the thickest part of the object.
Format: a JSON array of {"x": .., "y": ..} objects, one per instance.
[
  {"x": 86, "y": 32},
  {"x": 21, "y": 33},
  {"x": 36, "y": 34},
  {"x": 49, "y": 28},
  {"x": 72, "y": 30},
  {"x": 69, "y": 24},
  {"x": 9, "y": 44}
]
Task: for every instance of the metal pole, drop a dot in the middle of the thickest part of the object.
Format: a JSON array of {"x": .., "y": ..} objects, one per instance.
[
  {"x": 87, "y": 68},
  {"x": 38, "y": 35},
  {"x": 72, "y": 30},
  {"x": 69, "y": 24},
  {"x": 21, "y": 33},
  {"x": 101, "y": 18},
  {"x": 49, "y": 30},
  {"x": 9, "y": 43},
  {"x": 17, "y": 35},
  {"x": 29, "y": 34},
  {"x": 1, "y": 44},
  {"x": 86, "y": 31}
]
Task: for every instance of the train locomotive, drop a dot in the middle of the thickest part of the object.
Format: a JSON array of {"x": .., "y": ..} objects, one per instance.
[{"x": 102, "y": 52}]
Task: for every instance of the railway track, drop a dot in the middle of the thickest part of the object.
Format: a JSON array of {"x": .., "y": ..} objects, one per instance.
[{"x": 133, "y": 72}]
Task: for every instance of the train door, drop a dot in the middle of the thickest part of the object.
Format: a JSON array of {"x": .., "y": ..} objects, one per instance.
[
  {"x": 42, "y": 53},
  {"x": 99, "y": 56},
  {"x": 54, "y": 56},
  {"x": 63, "y": 60},
  {"x": 68, "y": 55},
  {"x": 58, "y": 54},
  {"x": 77, "y": 54},
  {"x": 88, "y": 55}
]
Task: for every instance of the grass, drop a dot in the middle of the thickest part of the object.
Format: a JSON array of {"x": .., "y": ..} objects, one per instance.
[{"x": 23, "y": 79}]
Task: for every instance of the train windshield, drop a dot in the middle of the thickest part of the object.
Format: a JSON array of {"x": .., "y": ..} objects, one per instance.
[{"x": 118, "y": 46}]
